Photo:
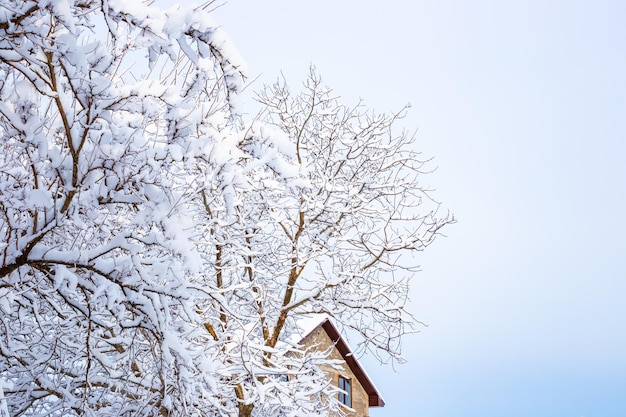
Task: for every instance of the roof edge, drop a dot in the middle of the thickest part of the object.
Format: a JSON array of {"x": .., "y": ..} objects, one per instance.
[{"x": 375, "y": 399}]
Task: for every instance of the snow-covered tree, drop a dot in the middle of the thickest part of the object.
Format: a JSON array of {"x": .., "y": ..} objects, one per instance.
[{"x": 158, "y": 248}]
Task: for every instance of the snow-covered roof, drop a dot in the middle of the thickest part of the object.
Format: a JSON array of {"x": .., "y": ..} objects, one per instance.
[{"x": 311, "y": 324}]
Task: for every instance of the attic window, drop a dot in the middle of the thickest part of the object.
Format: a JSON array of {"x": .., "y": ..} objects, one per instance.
[{"x": 345, "y": 384}]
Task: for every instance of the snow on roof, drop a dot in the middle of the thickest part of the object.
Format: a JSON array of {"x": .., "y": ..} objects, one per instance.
[{"x": 309, "y": 324}]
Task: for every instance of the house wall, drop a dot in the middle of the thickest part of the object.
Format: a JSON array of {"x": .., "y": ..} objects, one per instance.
[{"x": 319, "y": 340}]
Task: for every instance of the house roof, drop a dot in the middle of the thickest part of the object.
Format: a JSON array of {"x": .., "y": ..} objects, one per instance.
[{"x": 375, "y": 399}]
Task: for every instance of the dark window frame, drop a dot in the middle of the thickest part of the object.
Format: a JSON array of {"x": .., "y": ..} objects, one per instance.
[{"x": 345, "y": 384}]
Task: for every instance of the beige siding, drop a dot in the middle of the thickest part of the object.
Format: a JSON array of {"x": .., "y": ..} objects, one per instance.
[{"x": 319, "y": 340}]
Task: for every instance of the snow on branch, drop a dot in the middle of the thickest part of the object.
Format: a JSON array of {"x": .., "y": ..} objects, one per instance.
[{"x": 157, "y": 248}]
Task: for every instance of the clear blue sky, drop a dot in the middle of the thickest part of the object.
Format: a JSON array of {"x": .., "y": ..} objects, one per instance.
[{"x": 523, "y": 106}]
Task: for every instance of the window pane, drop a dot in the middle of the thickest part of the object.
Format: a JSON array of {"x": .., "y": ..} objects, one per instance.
[{"x": 345, "y": 397}]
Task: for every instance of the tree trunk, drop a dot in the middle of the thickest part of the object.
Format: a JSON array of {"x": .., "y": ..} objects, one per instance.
[{"x": 245, "y": 410}]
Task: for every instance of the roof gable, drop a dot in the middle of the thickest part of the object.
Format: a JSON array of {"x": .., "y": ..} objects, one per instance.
[{"x": 375, "y": 399}]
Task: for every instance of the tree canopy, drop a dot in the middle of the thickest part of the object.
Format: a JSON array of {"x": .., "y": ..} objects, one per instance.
[{"x": 159, "y": 246}]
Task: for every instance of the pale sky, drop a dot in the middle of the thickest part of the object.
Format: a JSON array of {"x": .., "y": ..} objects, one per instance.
[{"x": 523, "y": 105}]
